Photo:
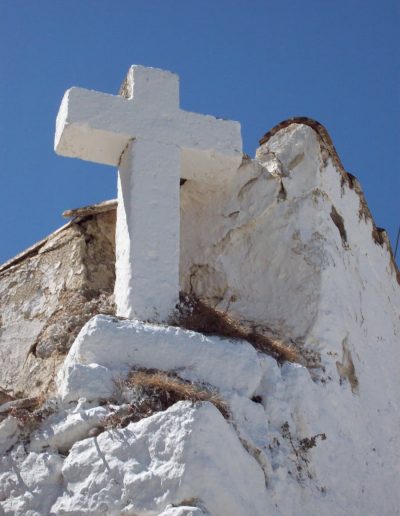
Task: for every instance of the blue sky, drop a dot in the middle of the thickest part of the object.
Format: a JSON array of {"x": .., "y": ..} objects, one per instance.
[{"x": 255, "y": 61}]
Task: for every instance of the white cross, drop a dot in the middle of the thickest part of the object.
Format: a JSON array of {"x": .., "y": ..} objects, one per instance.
[{"x": 154, "y": 143}]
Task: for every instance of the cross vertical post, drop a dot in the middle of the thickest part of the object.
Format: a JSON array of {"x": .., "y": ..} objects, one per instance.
[{"x": 147, "y": 283}]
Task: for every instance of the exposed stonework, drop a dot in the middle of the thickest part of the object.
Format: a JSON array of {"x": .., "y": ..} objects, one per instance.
[{"x": 48, "y": 293}]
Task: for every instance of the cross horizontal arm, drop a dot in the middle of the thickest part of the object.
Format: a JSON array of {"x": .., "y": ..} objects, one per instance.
[
  {"x": 89, "y": 126},
  {"x": 210, "y": 147},
  {"x": 97, "y": 127},
  {"x": 207, "y": 133}
]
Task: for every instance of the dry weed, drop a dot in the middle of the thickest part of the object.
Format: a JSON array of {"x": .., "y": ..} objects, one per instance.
[
  {"x": 300, "y": 449},
  {"x": 171, "y": 389},
  {"x": 30, "y": 413},
  {"x": 154, "y": 391},
  {"x": 197, "y": 316}
]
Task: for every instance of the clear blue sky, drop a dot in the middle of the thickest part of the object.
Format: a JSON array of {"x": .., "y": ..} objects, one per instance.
[{"x": 255, "y": 61}]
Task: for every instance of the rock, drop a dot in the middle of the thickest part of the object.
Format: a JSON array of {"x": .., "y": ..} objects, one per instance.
[
  {"x": 9, "y": 434},
  {"x": 183, "y": 511},
  {"x": 161, "y": 460},
  {"x": 63, "y": 429},
  {"x": 5, "y": 397},
  {"x": 271, "y": 252},
  {"x": 29, "y": 484},
  {"x": 92, "y": 382}
]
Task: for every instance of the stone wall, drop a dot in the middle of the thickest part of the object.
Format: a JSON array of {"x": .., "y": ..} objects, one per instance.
[{"x": 47, "y": 294}]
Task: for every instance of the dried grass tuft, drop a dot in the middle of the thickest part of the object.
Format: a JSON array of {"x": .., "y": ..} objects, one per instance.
[
  {"x": 29, "y": 413},
  {"x": 154, "y": 391},
  {"x": 171, "y": 389},
  {"x": 197, "y": 316}
]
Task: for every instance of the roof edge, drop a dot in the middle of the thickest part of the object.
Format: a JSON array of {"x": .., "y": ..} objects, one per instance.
[{"x": 76, "y": 215}]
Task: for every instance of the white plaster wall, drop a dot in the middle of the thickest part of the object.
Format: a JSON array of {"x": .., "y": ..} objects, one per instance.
[
  {"x": 265, "y": 248},
  {"x": 246, "y": 248}
]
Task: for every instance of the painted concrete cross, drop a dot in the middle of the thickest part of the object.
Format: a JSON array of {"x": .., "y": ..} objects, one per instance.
[{"x": 154, "y": 143}]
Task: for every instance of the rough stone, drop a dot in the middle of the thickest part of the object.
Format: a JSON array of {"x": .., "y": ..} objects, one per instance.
[{"x": 9, "y": 434}]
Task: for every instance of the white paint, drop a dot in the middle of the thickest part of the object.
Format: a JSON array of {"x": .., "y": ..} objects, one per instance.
[
  {"x": 183, "y": 511},
  {"x": 29, "y": 483},
  {"x": 283, "y": 260},
  {"x": 99, "y": 127}
]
